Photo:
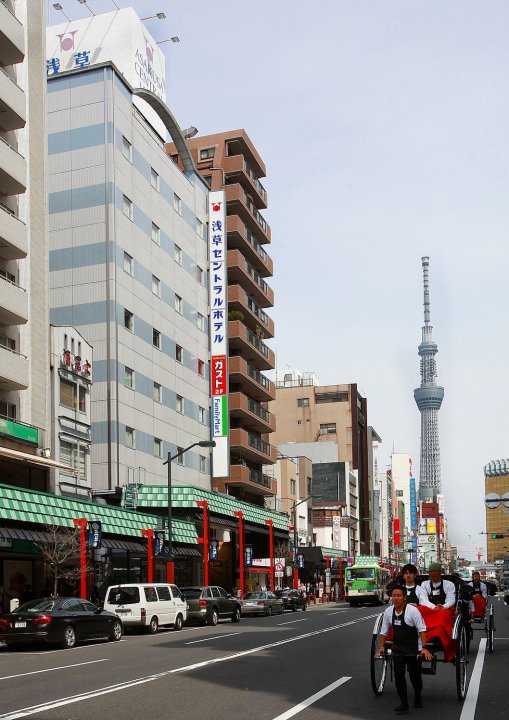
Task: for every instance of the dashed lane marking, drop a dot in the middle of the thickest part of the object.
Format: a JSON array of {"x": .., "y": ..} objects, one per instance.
[
  {"x": 312, "y": 699},
  {"x": 61, "y": 667}
]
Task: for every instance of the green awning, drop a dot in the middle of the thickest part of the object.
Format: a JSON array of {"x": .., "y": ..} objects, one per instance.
[
  {"x": 152, "y": 496},
  {"x": 27, "y": 506}
]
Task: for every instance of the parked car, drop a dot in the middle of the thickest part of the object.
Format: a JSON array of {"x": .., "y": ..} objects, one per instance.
[
  {"x": 208, "y": 604},
  {"x": 62, "y": 621},
  {"x": 147, "y": 605},
  {"x": 292, "y": 599},
  {"x": 261, "y": 603}
]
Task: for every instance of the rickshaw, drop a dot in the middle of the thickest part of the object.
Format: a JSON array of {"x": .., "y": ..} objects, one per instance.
[
  {"x": 381, "y": 666},
  {"x": 484, "y": 622}
]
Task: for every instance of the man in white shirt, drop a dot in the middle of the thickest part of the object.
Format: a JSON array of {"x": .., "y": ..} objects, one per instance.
[
  {"x": 436, "y": 592},
  {"x": 413, "y": 591},
  {"x": 479, "y": 597},
  {"x": 408, "y": 643}
]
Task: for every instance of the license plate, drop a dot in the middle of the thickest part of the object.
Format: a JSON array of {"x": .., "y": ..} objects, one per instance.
[
  {"x": 123, "y": 612},
  {"x": 20, "y": 624}
]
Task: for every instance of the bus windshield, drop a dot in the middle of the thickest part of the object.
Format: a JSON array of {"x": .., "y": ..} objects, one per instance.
[{"x": 360, "y": 573}]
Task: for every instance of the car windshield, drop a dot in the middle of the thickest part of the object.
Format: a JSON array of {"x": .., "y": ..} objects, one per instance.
[
  {"x": 191, "y": 593},
  {"x": 360, "y": 574},
  {"x": 253, "y": 596},
  {"x": 123, "y": 595},
  {"x": 36, "y": 606}
]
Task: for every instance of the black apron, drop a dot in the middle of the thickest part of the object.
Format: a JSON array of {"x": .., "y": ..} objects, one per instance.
[
  {"x": 477, "y": 590},
  {"x": 437, "y": 598},
  {"x": 411, "y": 595},
  {"x": 405, "y": 638}
]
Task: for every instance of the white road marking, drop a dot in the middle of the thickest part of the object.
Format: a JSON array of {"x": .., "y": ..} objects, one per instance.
[
  {"x": 215, "y": 637},
  {"x": 32, "y": 710},
  {"x": 291, "y": 621},
  {"x": 62, "y": 667},
  {"x": 312, "y": 699},
  {"x": 469, "y": 705},
  {"x": 67, "y": 650},
  {"x": 337, "y": 612}
]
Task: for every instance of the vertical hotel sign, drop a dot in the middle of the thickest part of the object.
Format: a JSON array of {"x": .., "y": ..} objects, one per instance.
[{"x": 218, "y": 329}]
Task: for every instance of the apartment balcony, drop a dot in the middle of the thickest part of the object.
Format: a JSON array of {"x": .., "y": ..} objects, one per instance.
[
  {"x": 238, "y": 203},
  {"x": 13, "y": 303},
  {"x": 243, "y": 341},
  {"x": 12, "y": 103},
  {"x": 13, "y": 171},
  {"x": 240, "y": 271},
  {"x": 12, "y": 37},
  {"x": 250, "y": 380},
  {"x": 253, "y": 480},
  {"x": 250, "y": 447},
  {"x": 241, "y": 238},
  {"x": 13, "y": 236},
  {"x": 254, "y": 316},
  {"x": 240, "y": 171},
  {"x": 13, "y": 370},
  {"x": 252, "y": 415}
]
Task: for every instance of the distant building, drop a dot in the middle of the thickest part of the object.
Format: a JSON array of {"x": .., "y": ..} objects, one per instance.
[{"x": 496, "y": 474}]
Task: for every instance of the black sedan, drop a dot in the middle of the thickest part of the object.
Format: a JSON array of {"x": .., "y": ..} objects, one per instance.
[
  {"x": 62, "y": 621},
  {"x": 292, "y": 599}
]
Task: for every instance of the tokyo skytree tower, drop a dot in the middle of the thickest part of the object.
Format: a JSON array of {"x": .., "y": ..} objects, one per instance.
[{"x": 429, "y": 398}]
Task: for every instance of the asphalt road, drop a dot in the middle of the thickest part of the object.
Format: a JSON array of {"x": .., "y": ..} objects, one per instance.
[{"x": 312, "y": 665}]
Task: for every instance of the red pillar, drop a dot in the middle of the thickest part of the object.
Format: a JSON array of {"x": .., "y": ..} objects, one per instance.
[
  {"x": 240, "y": 515},
  {"x": 149, "y": 534},
  {"x": 295, "y": 578},
  {"x": 341, "y": 579},
  {"x": 82, "y": 524},
  {"x": 271, "y": 554},
  {"x": 170, "y": 571},
  {"x": 205, "y": 539}
]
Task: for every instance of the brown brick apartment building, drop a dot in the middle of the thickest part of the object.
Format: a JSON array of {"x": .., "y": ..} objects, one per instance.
[{"x": 230, "y": 161}]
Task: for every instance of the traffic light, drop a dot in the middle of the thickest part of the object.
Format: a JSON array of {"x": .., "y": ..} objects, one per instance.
[{"x": 497, "y": 536}]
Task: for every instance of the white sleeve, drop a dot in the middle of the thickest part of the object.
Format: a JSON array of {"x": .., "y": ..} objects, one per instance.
[
  {"x": 386, "y": 622},
  {"x": 418, "y": 620},
  {"x": 484, "y": 589},
  {"x": 423, "y": 599},
  {"x": 450, "y": 594}
]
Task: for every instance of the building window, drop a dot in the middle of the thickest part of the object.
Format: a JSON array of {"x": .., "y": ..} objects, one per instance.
[
  {"x": 201, "y": 415},
  {"x": 128, "y": 377},
  {"x": 178, "y": 304},
  {"x": 127, "y": 207},
  {"x": 327, "y": 428},
  {"x": 155, "y": 234},
  {"x": 127, "y": 149},
  {"x": 180, "y": 404},
  {"x": 128, "y": 320},
  {"x": 177, "y": 204},
  {"x": 8, "y": 343},
  {"x": 7, "y": 410},
  {"x": 156, "y": 338},
  {"x": 199, "y": 228},
  {"x": 177, "y": 254},
  {"x": 154, "y": 179},
  {"x": 302, "y": 402},
  {"x": 180, "y": 455},
  {"x": 200, "y": 322},
  {"x": 68, "y": 455},
  {"x": 82, "y": 399},
  {"x": 207, "y": 154},
  {"x": 128, "y": 264},
  {"x": 309, "y": 485},
  {"x": 203, "y": 463},
  {"x": 67, "y": 394},
  {"x": 293, "y": 487},
  {"x": 129, "y": 438},
  {"x": 156, "y": 286},
  {"x": 158, "y": 448},
  {"x": 201, "y": 368},
  {"x": 331, "y": 397},
  {"x": 157, "y": 393},
  {"x": 178, "y": 354},
  {"x": 199, "y": 274},
  {"x": 299, "y": 422}
]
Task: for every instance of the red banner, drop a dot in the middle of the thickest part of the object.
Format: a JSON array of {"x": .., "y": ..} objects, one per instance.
[
  {"x": 397, "y": 536},
  {"x": 219, "y": 375}
]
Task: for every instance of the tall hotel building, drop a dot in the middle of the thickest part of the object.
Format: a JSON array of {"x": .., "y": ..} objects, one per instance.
[
  {"x": 24, "y": 332},
  {"x": 128, "y": 251},
  {"x": 230, "y": 161}
]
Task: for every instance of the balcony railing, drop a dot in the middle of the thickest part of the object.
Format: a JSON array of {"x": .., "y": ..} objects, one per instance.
[
  {"x": 256, "y": 309},
  {"x": 258, "y": 377},
  {"x": 258, "y": 410},
  {"x": 255, "y": 213},
  {"x": 258, "y": 444},
  {"x": 255, "y": 244},
  {"x": 254, "y": 179},
  {"x": 257, "y": 278},
  {"x": 258, "y": 344},
  {"x": 260, "y": 478}
]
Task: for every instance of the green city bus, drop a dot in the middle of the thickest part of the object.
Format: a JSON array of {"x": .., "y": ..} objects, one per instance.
[{"x": 366, "y": 582}]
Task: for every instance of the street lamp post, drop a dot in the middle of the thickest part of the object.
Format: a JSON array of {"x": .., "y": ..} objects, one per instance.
[
  {"x": 170, "y": 568},
  {"x": 296, "y": 538}
]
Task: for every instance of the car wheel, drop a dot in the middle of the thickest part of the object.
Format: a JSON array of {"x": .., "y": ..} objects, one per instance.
[
  {"x": 304, "y": 607},
  {"x": 177, "y": 625},
  {"x": 268, "y": 611},
  {"x": 214, "y": 617},
  {"x": 154, "y": 626},
  {"x": 116, "y": 631},
  {"x": 236, "y": 615},
  {"x": 294, "y": 607},
  {"x": 283, "y": 610},
  {"x": 69, "y": 640}
]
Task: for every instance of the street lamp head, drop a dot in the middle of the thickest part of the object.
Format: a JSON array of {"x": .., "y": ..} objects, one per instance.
[
  {"x": 160, "y": 16},
  {"x": 207, "y": 443}
]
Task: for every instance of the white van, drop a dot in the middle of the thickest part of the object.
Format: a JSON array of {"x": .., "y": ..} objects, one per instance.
[{"x": 147, "y": 604}]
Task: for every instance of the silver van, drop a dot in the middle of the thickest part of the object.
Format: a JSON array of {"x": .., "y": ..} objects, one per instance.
[{"x": 147, "y": 605}]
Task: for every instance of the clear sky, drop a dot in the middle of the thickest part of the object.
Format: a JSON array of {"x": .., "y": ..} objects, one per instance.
[{"x": 384, "y": 128}]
